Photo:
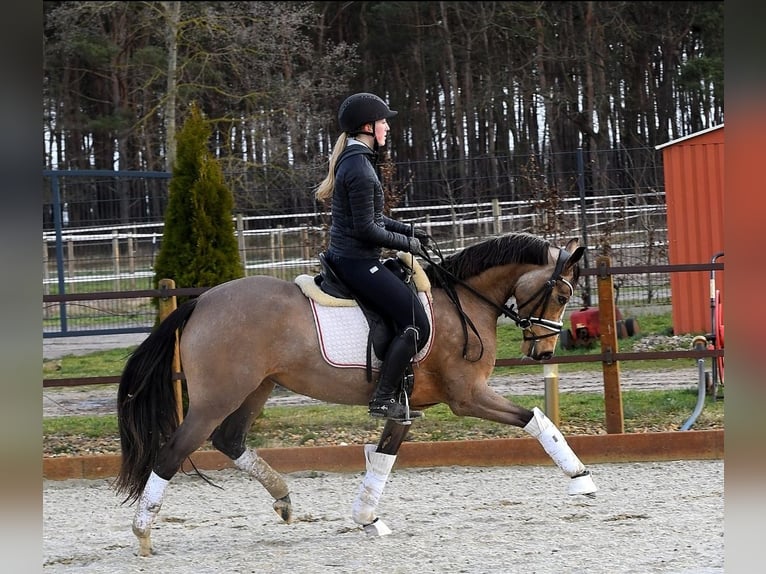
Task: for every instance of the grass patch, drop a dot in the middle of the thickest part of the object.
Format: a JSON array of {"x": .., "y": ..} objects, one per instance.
[
  {"x": 88, "y": 426},
  {"x": 99, "y": 364}
]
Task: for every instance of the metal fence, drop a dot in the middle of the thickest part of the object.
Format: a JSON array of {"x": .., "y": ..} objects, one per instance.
[{"x": 121, "y": 257}]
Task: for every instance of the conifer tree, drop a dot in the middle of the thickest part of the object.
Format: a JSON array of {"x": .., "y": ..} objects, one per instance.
[{"x": 199, "y": 248}]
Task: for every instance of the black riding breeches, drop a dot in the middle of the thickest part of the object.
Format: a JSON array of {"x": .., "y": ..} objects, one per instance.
[{"x": 378, "y": 288}]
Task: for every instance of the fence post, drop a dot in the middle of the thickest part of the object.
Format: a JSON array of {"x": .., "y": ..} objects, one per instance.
[
  {"x": 305, "y": 243},
  {"x": 497, "y": 222},
  {"x": 167, "y": 306},
  {"x": 131, "y": 261},
  {"x": 241, "y": 242},
  {"x": 70, "y": 258},
  {"x": 116, "y": 258},
  {"x": 615, "y": 423},
  {"x": 551, "y": 374},
  {"x": 272, "y": 247},
  {"x": 281, "y": 248}
]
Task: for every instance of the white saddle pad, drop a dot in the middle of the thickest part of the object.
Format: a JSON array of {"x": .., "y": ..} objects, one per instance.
[{"x": 343, "y": 333}]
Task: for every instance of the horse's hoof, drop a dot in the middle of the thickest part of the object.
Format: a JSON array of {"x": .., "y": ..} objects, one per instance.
[
  {"x": 145, "y": 547},
  {"x": 284, "y": 508},
  {"x": 376, "y": 528},
  {"x": 583, "y": 484}
]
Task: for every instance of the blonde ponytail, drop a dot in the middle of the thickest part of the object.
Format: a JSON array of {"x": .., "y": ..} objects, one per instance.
[{"x": 325, "y": 188}]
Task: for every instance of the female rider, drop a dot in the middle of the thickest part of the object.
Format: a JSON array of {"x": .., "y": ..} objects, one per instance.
[{"x": 360, "y": 230}]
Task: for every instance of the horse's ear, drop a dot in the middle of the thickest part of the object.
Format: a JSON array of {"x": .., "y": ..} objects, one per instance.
[
  {"x": 576, "y": 255},
  {"x": 572, "y": 245},
  {"x": 571, "y": 266}
]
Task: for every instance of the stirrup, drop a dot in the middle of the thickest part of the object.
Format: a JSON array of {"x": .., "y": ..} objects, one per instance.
[{"x": 389, "y": 408}]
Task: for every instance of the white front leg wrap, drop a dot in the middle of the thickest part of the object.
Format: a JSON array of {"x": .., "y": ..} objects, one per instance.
[
  {"x": 554, "y": 443},
  {"x": 255, "y": 466},
  {"x": 149, "y": 504},
  {"x": 378, "y": 468}
]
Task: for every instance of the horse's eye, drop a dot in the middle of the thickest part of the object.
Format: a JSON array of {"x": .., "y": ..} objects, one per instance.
[{"x": 563, "y": 300}]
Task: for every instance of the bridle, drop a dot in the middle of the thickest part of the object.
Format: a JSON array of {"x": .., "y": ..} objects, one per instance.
[{"x": 542, "y": 296}]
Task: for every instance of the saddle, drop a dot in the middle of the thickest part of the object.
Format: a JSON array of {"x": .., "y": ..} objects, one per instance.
[
  {"x": 328, "y": 294},
  {"x": 381, "y": 329}
]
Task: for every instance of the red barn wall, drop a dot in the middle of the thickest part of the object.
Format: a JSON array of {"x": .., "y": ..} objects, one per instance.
[{"x": 694, "y": 176}]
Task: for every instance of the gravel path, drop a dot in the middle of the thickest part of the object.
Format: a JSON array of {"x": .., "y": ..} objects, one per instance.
[
  {"x": 57, "y": 347},
  {"x": 661, "y": 517}
]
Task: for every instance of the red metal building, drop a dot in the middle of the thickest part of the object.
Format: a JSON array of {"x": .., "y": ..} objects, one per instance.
[{"x": 694, "y": 179}]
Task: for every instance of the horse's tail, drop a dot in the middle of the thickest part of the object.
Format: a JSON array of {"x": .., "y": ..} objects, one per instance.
[{"x": 146, "y": 404}]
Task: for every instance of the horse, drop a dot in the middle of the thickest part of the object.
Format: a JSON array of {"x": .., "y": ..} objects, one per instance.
[{"x": 239, "y": 339}]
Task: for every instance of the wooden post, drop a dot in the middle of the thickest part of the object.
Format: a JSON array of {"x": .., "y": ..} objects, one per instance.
[
  {"x": 272, "y": 247},
  {"x": 132, "y": 261},
  {"x": 615, "y": 423},
  {"x": 167, "y": 306},
  {"x": 241, "y": 242},
  {"x": 455, "y": 244},
  {"x": 497, "y": 223},
  {"x": 281, "y": 249},
  {"x": 305, "y": 243},
  {"x": 116, "y": 259},
  {"x": 551, "y": 374},
  {"x": 70, "y": 258}
]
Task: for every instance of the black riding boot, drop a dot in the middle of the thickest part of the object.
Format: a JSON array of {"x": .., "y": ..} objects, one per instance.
[{"x": 385, "y": 402}]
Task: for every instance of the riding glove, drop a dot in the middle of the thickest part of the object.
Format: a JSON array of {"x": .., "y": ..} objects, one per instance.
[
  {"x": 421, "y": 236},
  {"x": 414, "y": 245}
]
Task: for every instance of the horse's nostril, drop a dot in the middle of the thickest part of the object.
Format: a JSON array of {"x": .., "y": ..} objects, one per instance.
[{"x": 544, "y": 356}]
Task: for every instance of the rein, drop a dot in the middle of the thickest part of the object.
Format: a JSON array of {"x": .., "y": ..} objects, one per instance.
[{"x": 447, "y": 280}]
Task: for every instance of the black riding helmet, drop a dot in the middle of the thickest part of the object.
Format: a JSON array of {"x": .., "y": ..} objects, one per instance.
[{"x": 360, "y": 109}]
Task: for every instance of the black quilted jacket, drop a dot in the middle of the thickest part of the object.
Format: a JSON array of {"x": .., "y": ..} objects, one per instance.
[{"x": 359, "y": 228}]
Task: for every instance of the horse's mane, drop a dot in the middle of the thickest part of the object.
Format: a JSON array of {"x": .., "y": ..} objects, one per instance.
[{"x": 509, "y": 248}]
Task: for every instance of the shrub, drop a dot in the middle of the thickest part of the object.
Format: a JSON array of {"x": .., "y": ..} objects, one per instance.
[{"x": 199, "y": 247}]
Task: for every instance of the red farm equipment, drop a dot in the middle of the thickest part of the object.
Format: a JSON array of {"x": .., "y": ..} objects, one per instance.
[{"x": 585, "y": 330}]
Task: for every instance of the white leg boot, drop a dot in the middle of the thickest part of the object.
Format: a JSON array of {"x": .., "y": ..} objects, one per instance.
[
  {"x": 149, "y": 504},
  {"x": 271, "y": 480},
  {"x": 554, "y": 443},
  {"x": 363, "y": 510}
]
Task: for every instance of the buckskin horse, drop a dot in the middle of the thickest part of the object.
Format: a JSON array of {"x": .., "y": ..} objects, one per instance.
[{"x": 241, "y": 338}]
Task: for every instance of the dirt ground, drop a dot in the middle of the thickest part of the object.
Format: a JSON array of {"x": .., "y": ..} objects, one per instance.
[{"x": 662, "y": 517}]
